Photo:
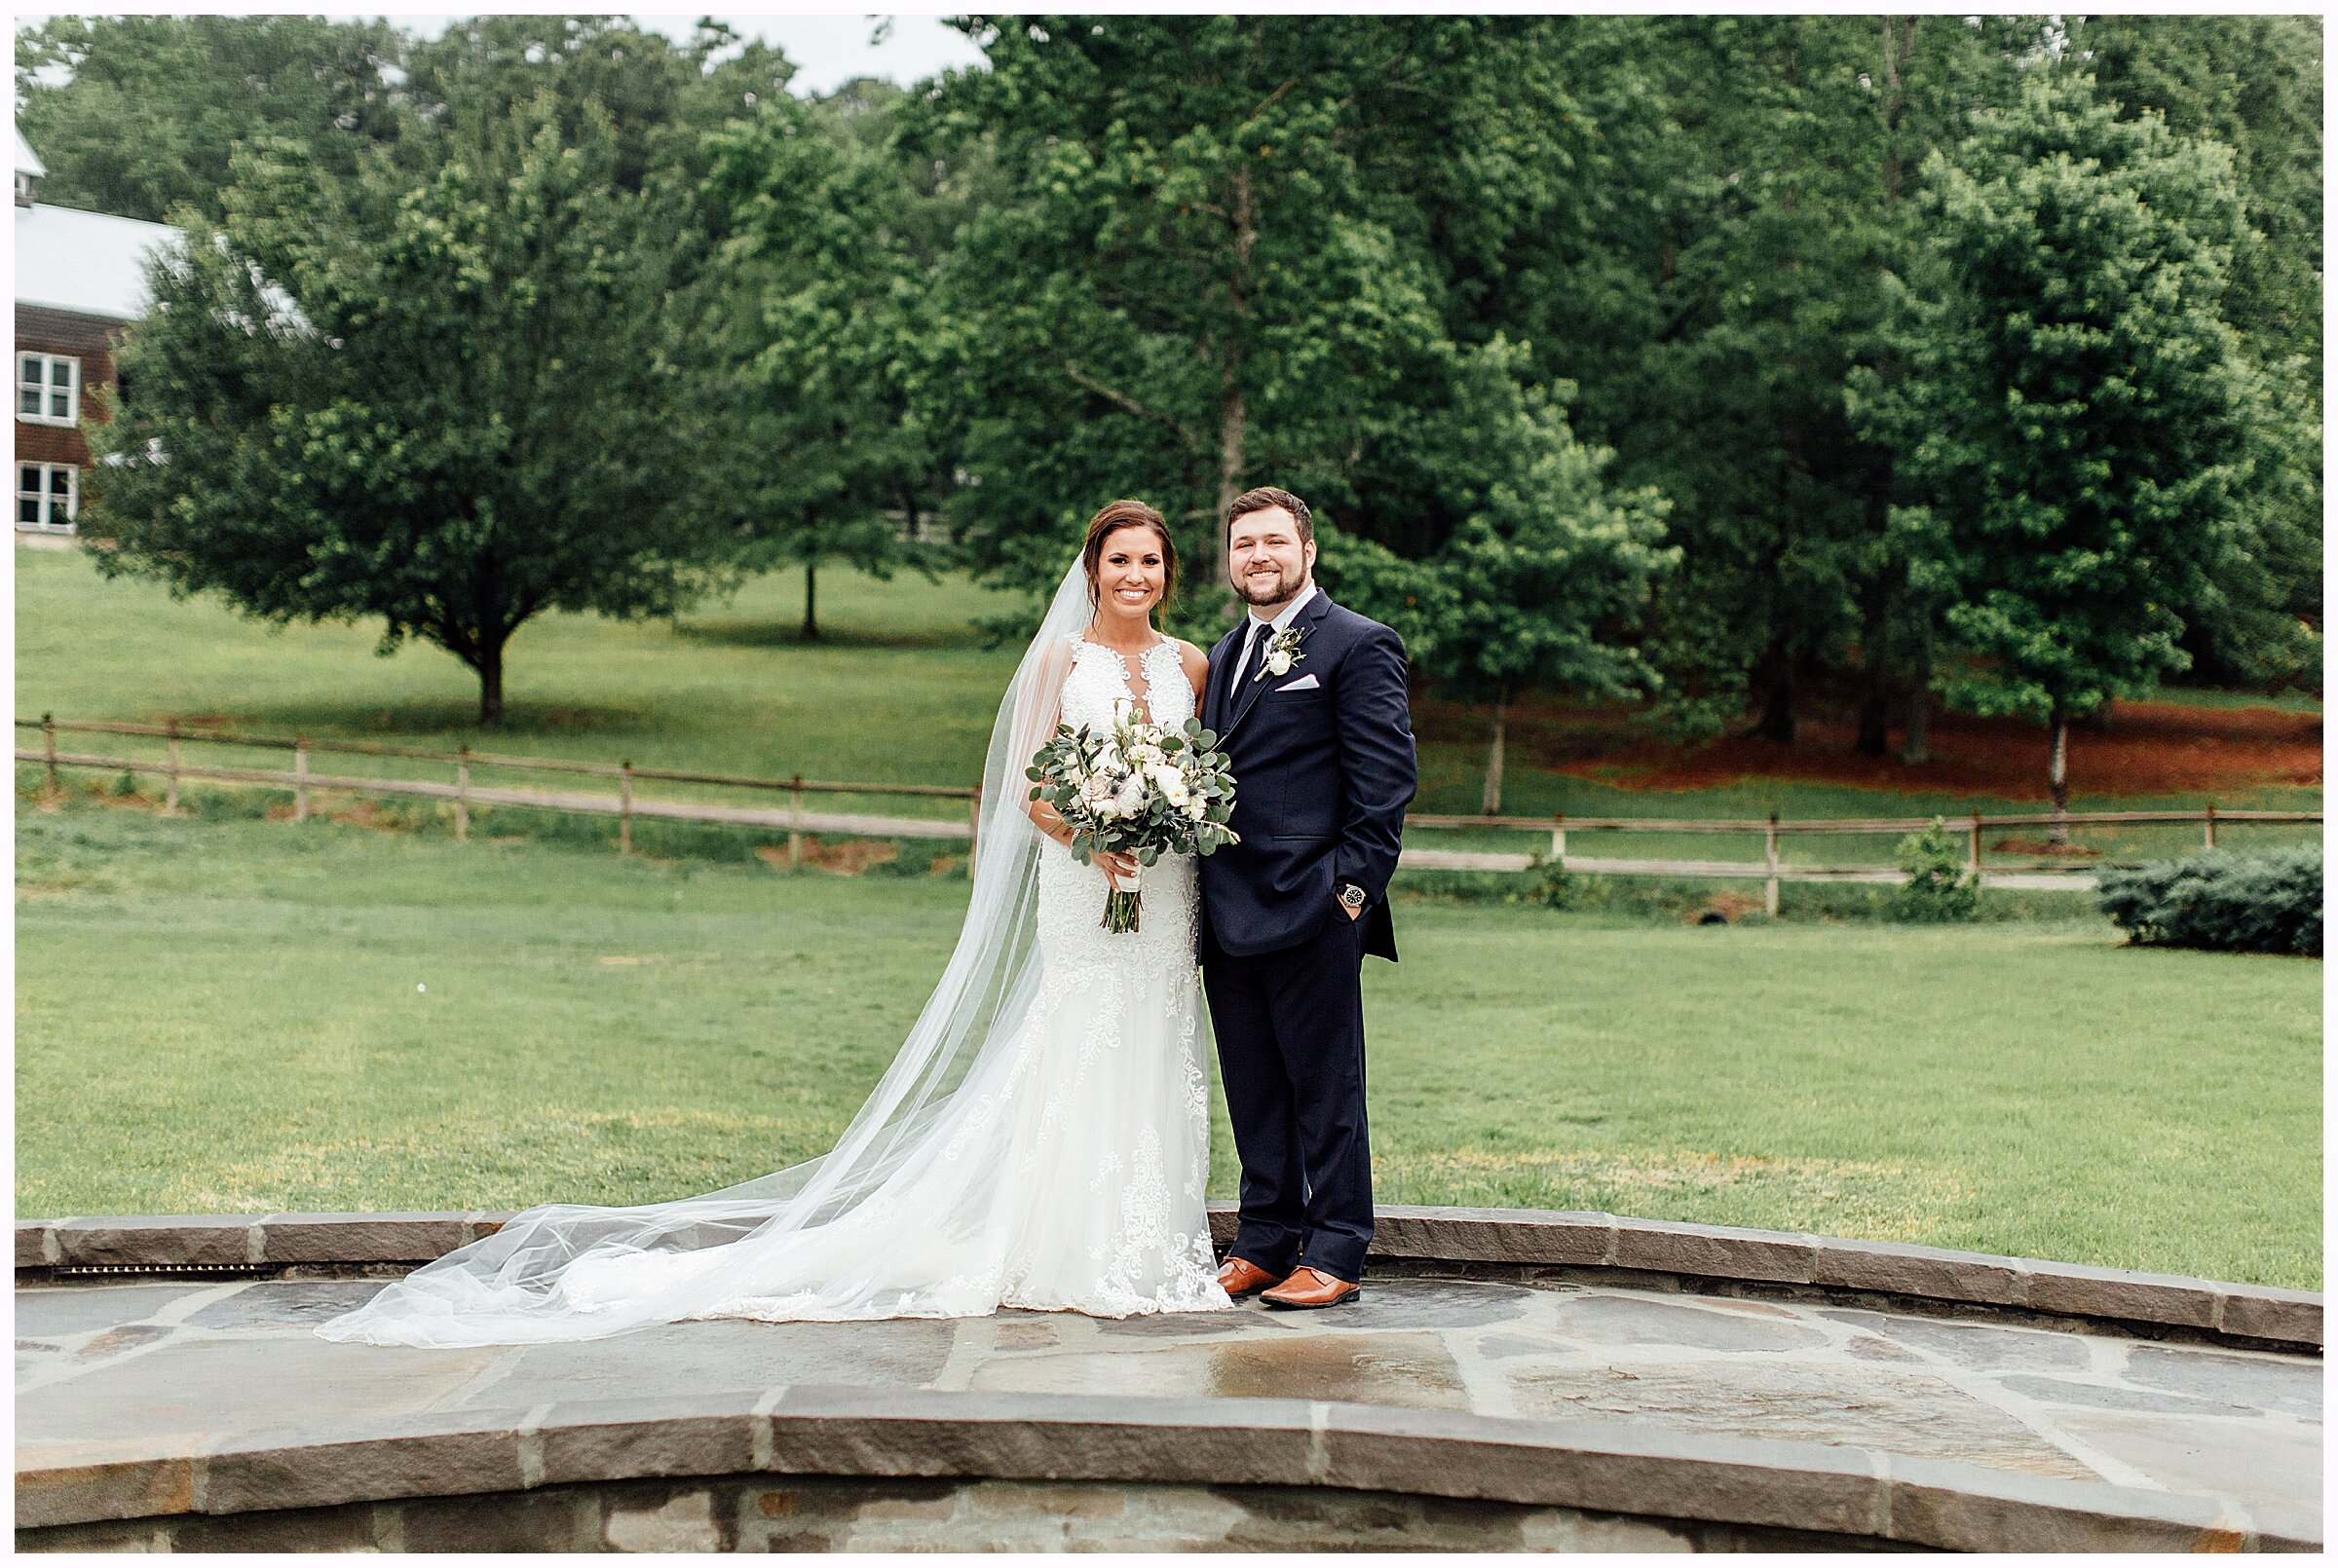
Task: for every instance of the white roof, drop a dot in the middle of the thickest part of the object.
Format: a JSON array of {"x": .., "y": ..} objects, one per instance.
[
  {"x": 89, "y": 263},
  {"x": 28, "y": 161}
]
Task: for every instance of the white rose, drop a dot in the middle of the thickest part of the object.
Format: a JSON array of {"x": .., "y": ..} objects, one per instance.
[
  {"x": 1196, "y": 810},
  {"x": 1278, "y": 663},
  {"x": 1131, "y": 797}
]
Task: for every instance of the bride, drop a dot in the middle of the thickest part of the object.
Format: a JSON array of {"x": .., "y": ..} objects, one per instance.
[{"x": 1040, "y": 1140}]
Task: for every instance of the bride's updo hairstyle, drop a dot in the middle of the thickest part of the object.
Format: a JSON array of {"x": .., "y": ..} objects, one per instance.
[{"x": 1122, "y": 514}]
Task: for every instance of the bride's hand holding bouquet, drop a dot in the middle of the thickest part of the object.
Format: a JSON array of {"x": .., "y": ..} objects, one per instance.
[{"x": 1141, "y": 790}]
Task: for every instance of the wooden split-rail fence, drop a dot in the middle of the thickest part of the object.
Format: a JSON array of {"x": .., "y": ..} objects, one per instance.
[
  {"x": 625, "y": 806},
  {"x": 796, "y": 820}
]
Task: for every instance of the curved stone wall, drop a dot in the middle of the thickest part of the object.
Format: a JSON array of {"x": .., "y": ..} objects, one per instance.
[
  {"x": 1442, "y": 1412},
  {"x": 1668, "y": 1483}
]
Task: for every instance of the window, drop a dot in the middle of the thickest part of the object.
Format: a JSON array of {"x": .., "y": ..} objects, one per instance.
[
  {"x": 48, "y": 495},
  {"x": 49, "y": 389}
]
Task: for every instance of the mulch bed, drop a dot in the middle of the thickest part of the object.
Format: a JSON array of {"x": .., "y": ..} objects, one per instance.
[{"x": 2153, "y": 748}]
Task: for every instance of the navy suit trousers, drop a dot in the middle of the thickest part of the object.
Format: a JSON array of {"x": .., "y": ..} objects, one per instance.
[{"x": 1290, "y": 1027}]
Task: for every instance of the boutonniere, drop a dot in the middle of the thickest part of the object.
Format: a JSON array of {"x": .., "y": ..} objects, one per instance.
[{"x": 1282, "y": 651}]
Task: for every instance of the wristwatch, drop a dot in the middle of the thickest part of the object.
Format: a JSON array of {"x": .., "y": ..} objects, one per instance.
[{"x": 1352, "y": 896}]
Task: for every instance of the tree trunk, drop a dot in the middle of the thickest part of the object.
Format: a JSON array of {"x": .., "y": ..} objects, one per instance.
[
  {"x": 812, "y": 597},
  {"x": 1899, "y": 44},
  {"x": 1232, "y": 430},
  {"x": 1490, "y": 803},
  {"x": 1915, "y": 746},
  {"x": 1778, "y": 705},
  {"x": 490, "y": 667},
  {"x": 1874, "y": 713},
  {"x": 1234, "y": 415},
  {"x": 1877, "y": 642},
  {"x": 2057, "y": 778}
]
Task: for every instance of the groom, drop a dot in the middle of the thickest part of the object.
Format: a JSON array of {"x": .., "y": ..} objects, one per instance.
[{"x": 1310, "y": 701}]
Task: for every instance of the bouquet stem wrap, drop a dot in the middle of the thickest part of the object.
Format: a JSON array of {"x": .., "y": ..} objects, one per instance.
[{"x": 1124, "y": 905}]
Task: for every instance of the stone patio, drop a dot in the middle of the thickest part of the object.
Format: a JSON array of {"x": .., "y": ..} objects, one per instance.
[{"x": 189, "y": 1367}]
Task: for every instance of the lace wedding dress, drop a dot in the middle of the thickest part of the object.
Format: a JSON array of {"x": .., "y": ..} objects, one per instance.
[{"x": 1040, "y": 1142}]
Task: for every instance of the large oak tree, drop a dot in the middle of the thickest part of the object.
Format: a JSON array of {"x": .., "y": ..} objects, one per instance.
[{"x": 440, "y": 403}]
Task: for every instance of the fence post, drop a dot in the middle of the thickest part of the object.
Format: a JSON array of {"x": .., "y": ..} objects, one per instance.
[
  {"x": 2211, "y": 824},
  {"x": 1972, "y": 852},
  {"x": 49, "y": 745},
  {"x": 795, "y": 827},
  {"x": 300, "y": 775},
  {"x": 463, "y": 793},
  {"x": 1769, "y": 891},
  {"x": 625, "y": 808},
  {"x": 171, "y": 789},
  {"x": 1558, "y": 840},
  {"x": 973, "y": 829}
]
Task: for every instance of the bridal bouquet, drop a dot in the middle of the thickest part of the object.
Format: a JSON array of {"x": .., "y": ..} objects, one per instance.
[{"x": 1141, "y": 790}]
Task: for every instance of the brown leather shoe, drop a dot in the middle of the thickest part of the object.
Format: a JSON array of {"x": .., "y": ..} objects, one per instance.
[
  {"x": 1311, "y": 1288},
  {"x": 1239, "y": 1277}
]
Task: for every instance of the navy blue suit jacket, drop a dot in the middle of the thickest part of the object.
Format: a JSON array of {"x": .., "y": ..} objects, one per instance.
[{"x": 1321, "y": 780}]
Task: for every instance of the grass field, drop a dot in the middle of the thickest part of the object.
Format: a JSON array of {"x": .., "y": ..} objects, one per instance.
[
  {"x": 243, "y": 1015},
  {"x": 902, "y": 690}
]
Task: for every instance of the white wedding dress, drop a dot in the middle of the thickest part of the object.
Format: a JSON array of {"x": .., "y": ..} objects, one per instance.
[{"x": 1042, "y": 1141}]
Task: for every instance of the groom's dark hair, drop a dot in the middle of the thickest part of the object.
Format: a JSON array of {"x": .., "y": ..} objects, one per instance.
[{"x": 1266, "y": 496}]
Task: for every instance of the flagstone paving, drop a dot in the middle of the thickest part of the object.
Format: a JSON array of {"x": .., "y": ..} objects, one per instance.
[{"x": 148, "y": 1359}]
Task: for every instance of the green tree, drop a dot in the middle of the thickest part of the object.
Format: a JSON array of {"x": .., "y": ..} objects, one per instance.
[
  {"x": 830, "y": 278},
  {"x": 1548, "y": 572},
  {"x": 151, "y": 108},
  {"x": 2072, "y": 415},
  {"x": 1214, "y": 263},
  {"x": 2255, "y": 84},
  {"x": 1770, "y": 208},
  {"x": 492, "y": 66},
  {"x": 470, "y": 420}
]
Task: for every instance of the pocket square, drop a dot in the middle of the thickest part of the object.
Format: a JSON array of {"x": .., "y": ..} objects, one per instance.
[{"x": 1305, "y": 683}]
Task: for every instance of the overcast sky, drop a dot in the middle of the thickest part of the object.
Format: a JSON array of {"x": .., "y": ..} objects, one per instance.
[{"x": 828, "y": 50}]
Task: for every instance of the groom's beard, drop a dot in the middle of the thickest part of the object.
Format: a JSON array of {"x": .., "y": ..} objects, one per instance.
[{"x": 1286, "y": 587}]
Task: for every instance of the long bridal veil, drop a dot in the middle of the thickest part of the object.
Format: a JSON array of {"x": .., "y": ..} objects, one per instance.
[{"x": 515, "y": 1287}]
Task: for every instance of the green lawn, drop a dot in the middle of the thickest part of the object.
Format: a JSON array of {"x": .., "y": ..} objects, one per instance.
[
  {"x": 902, "y": 690},
  {"x": 232, "y": 1015}
]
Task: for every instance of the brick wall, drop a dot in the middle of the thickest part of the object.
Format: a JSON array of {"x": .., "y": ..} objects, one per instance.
[{"x": 90, "y": 338}]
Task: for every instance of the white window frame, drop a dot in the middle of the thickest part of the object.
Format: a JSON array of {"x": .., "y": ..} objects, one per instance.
[
  {"x": 46, "y": 523},
  {"x": 43, "y": 384}
]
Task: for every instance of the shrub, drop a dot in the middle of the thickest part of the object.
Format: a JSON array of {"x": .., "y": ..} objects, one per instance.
[
  {"x": 1938, "y": 887},
  {"x": 2259, "y": 903}
]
